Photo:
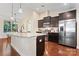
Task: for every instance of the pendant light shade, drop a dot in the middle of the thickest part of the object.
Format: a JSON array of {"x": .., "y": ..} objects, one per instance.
[
  {"x": 12, "y": 18},
  {"x": 20, "y": 9}
]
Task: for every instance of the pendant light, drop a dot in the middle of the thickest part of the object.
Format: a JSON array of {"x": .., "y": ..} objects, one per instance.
[
  {"x": 20, "y": 9},
  {"x": 12, "y": 18},
  {"x": 15, "y": 16}
]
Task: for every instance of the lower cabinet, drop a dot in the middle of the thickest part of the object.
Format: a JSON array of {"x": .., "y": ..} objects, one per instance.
[
  {"x": 53, "y": 37},
  {"x": 40, "y": 45}
]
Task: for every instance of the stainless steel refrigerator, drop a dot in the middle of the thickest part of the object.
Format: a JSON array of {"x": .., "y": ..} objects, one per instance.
[{"x": 68, "y": 32}]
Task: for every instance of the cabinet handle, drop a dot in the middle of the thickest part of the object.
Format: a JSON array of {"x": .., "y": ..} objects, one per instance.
[{"x": 40, "y": 40}]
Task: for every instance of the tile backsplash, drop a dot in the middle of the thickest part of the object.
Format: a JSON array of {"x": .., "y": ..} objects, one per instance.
[{"x": 50, "y": 29}]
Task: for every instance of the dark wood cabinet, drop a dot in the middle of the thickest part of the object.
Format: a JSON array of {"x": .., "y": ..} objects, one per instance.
[
  {"x": 67, "y": 15},
  {"x": 48, "y": 22},
  {"x": 54, "y": 21},
  {"x": 47, "y": 19},
  {"x": 40, "y": 23},
  {"x": 53, "y": 37},
  {"x": 40, "y": 44}
]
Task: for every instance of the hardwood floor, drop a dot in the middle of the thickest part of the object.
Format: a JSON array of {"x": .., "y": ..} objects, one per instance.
[
  {"x": 6, "y": 49},
  {"x": 53, "y": 49}
]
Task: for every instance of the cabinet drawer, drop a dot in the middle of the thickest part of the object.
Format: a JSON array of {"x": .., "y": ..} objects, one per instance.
[{"x": 40, "y": 23}]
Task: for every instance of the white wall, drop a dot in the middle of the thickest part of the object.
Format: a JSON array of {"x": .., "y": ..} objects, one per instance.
[
  {"x": 33, "y": 22},
  {"x": 51, "y": 13},
  {"x": 24, "y": 21},
  {"x": 1, "y": 25},
  {"x": 30, "y": 22},
  {"x": 77, "y": 7}
]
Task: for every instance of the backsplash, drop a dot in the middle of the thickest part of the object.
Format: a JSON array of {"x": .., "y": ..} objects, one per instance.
[{"x": 49, "y": 29}]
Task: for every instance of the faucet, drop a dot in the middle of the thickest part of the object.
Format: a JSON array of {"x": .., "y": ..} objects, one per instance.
[{"x": 22, "y": 27}]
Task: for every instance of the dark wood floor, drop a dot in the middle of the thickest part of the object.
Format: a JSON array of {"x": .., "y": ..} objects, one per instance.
[{"x": 54, "y": 49}]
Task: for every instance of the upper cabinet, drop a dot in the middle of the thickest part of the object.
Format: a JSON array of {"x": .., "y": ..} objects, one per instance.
[
  {"x": 40, "y": 23},
  {"x": 48, "y": 22},
  {"x": 54, "y": 21},
  {"x": 45, "y": 22},
  {"x": 47, "y": 19},
  {"x": 67, "y": 15}
]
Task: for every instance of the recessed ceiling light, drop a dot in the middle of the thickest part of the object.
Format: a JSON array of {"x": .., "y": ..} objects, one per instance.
[
  {"x": 65, "y": 4},
  {"x": 37, "y": 9}
]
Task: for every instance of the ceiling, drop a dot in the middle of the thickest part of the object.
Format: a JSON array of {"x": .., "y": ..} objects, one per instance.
[
  {"x": 50, "y": 6},
  {"x": 6, "y": 8}
]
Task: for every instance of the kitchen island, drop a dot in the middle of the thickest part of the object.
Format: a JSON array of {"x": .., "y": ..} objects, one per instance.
[{"x": 28, "y": 44}]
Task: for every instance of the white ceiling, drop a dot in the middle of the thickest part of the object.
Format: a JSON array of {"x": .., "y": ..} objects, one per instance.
[
  {"x": 50, "y": 6},
  {"x": 6, "y": 8}
]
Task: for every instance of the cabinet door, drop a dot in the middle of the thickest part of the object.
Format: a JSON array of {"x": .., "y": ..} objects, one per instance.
[
  {"x": 40, "y": 23},
  {"x": 40, "y": 45},
  {"x": 53, "y": 37},
  {"x": 54, "y": 21},
  {"x": 68, "y": 15},
  {"x": 47, "y": 19}
]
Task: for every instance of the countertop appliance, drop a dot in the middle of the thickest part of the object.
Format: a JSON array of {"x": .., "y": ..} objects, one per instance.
[{"x": 68, "y": 33}]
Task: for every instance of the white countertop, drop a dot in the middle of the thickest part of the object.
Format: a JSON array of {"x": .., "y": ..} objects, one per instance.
[
  {"x": 3, "y": 35},
  {"x": 24, "y": 34}
]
